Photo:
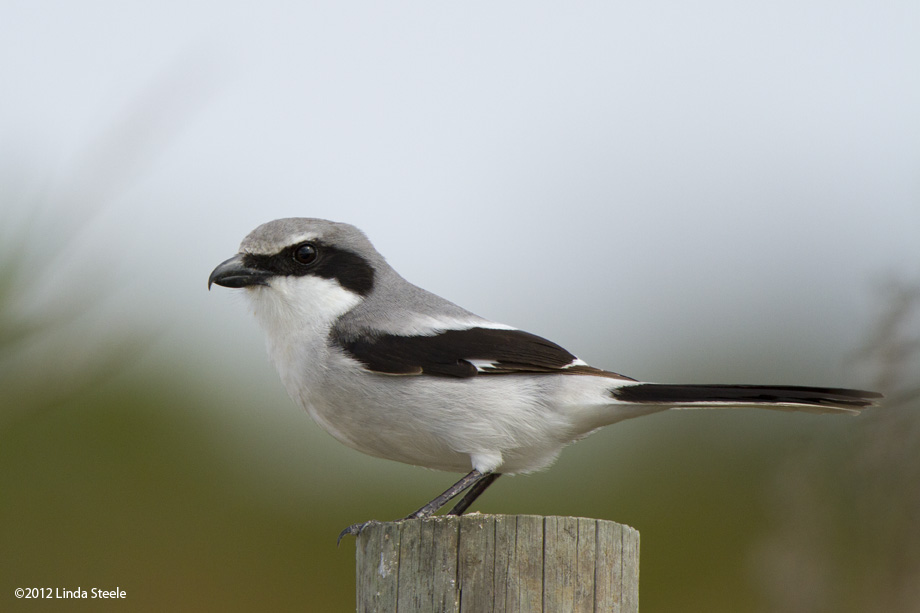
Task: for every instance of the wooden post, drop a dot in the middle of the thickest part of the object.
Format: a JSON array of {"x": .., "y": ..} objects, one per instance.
[{"x": 510, "y": 563}]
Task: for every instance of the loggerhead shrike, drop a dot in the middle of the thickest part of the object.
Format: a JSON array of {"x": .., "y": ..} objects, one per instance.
[{"x": 400, "y": 373}]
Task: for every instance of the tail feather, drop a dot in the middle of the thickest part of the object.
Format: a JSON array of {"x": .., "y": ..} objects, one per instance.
[{"x": 783, "y": 397}]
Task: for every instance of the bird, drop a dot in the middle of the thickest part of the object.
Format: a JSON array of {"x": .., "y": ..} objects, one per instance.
[{"x": 397, "y": 372}]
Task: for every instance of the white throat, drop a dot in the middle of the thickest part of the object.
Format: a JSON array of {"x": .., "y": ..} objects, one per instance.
[
  {"x": 297, "y": 314},
  {"x": 299, "y": 305}
]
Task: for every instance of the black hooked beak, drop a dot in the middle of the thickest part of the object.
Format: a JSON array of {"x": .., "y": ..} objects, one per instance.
[{"x": 234, "y": 273}]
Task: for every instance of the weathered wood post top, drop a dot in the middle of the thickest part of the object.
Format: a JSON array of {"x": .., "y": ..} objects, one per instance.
[{"x": 511, "y": 563}]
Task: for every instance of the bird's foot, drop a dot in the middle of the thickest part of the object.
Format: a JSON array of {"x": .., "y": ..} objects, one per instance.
[
  {"x": 475, "y": 480},
  {"x": 354, "y": 529}
]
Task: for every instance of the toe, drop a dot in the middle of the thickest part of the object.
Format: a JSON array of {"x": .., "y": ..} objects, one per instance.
[{"x": 354, "y": 529}]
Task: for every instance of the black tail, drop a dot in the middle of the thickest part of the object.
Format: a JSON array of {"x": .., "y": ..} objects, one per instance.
[{"x": 787, "y": 397}]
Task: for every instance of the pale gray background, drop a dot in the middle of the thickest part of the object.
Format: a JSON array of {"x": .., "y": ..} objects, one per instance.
[{"x": 631, "y": 179}]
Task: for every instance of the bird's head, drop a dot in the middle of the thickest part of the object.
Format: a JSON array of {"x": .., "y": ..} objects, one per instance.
[{"x": 302, "y": 269}]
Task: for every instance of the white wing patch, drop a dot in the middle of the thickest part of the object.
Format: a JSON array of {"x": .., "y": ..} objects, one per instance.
[
  {"x": 492, "y": 365},
  {"x": 483, "y": 365}
]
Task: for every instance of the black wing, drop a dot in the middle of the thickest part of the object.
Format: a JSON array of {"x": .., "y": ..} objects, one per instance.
[{"x": 465, "y": 353}]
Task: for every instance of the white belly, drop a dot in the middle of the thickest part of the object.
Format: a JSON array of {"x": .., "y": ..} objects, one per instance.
[{"x": 505, "y": 423}]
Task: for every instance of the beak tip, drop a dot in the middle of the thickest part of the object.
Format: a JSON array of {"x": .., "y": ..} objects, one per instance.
[{"x": 234, "y": 273}]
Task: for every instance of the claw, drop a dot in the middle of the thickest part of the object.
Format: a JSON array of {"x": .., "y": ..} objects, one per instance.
[{"x": 354, "y": 529}]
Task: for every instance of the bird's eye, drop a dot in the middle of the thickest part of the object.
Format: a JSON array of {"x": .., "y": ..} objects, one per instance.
[{"x": 305, "y": 253}]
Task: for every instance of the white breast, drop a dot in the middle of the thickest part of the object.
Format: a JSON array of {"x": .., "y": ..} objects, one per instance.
[{"x": 297, "y": 314}]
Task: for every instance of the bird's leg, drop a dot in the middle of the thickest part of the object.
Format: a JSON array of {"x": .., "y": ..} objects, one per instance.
[
  {"x": 472, "y": 479},
  {"x": 473, "y": 493}
]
